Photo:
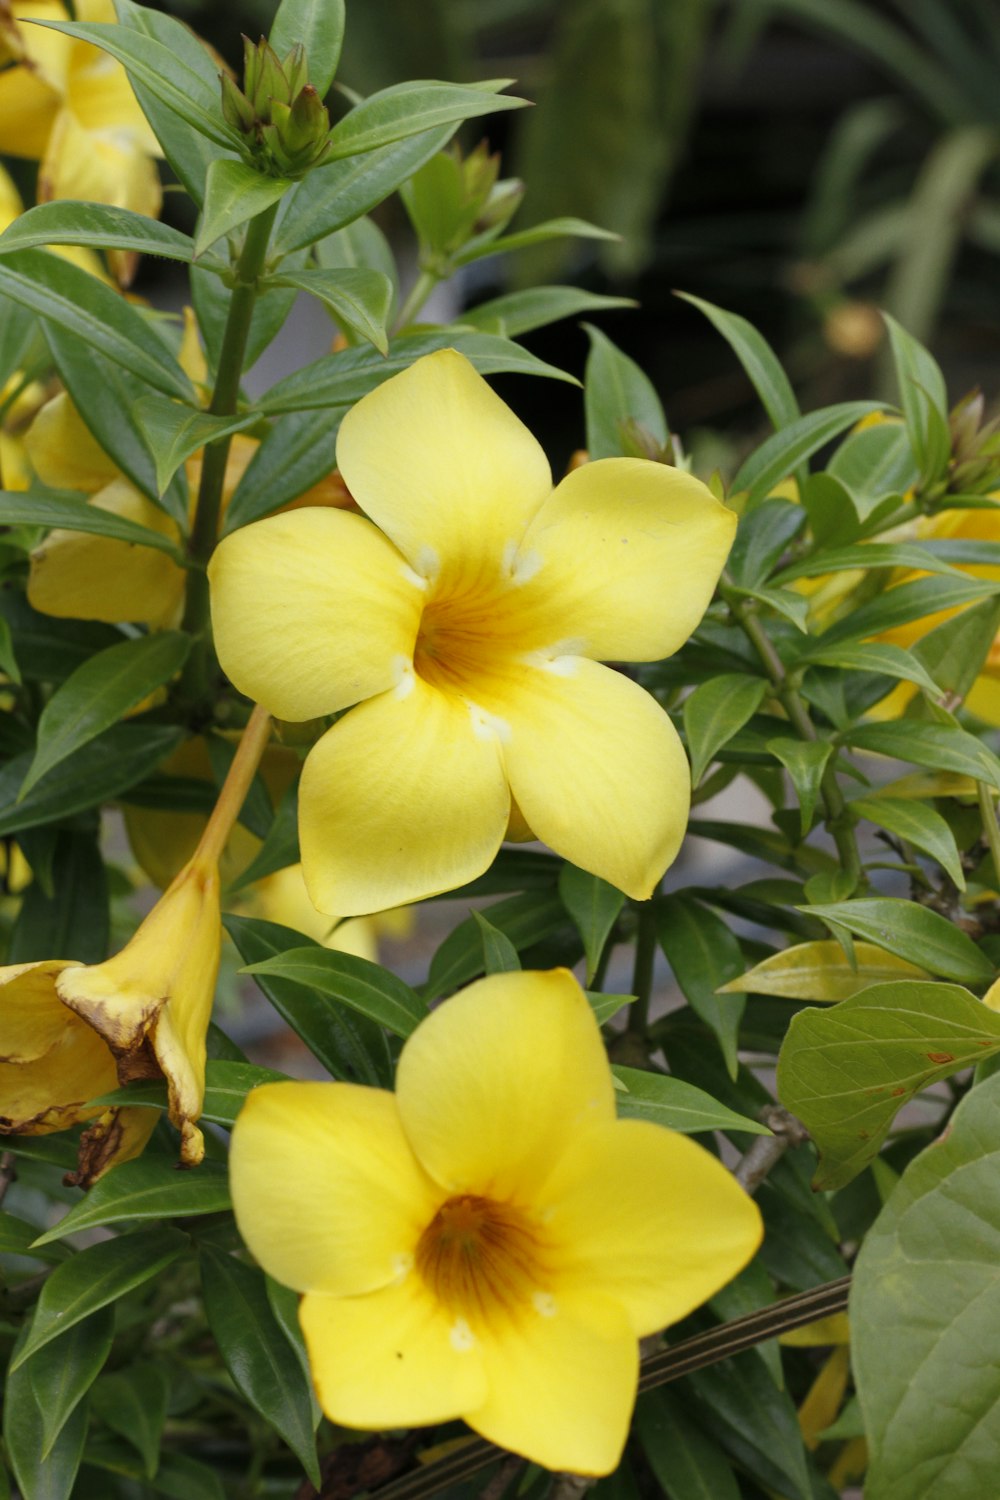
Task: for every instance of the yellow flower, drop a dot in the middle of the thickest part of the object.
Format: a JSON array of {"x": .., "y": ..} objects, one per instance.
[
  {"x": 150, "y": 1003},
  {"x": 468, "y": 624},
  {"x": 490, "y": 1242},
  {"x": 71, "y": 107},
  {"x": 52, "y": 1063}
]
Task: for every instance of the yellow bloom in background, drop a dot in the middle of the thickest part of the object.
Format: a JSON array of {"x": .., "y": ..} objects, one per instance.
[
  {"x": 70, "y": 106},
  {"x": 467, "y": 620},
  {"x": 52, "y": 1063},
  {"x": 490, "y": 1242},
  {"x": 150, "y": 1004},
  {"x": 283, "y": 897}
]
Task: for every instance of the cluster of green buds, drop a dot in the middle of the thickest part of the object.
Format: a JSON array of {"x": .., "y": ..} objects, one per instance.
[
  {"x": 284, "y": 123},
  {"x": 975, "y": 446},
  {"x": 455, "y": 199}
]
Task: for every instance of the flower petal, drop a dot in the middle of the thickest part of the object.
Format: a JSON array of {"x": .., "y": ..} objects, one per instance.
[
  {"x": 648, "y": 1218},
  {"x": 28, "y": 106},
  {"x": 391, "y": 1359},
  {"x": 443, "y": 465},
  {"x": 561, "y": 1384},
  {"x": 597, "y": 769},
  {"x": 312, "y": 611},
  {"x": 629, "y": 552},
  {"x": 327, "y": 1192},
  {"x": 496, "y": 1082},
  {"x": 51, "y": 1062},
  {"x": 63, "y": 451},
  {"x": 401, "y": 799}
]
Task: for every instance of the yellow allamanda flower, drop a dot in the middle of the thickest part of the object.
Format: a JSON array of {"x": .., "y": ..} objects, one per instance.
[
  {"x": 464, "y": 625},
  {"x": 69, "y": 106},
  {"x": 489, "y": 1242}
]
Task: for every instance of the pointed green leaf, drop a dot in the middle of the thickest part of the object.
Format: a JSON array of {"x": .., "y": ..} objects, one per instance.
[
  {"x": 792, "y": 606},
  {"x": 874, "y": 462},
  {"x": 101, "y": 692},
  {"x": 865, "y": 556},
  {"x": 98, "y": 225},
  {"x": 687, "y": 1463},
  {"x": 914, "y": 821},
  {"x": 677, "y": 1105},
  {"x": 847, "y": 1070},
  {"x": 762, "y": 366},
  {"x": 538, "y": 234},
  {"x": 781, "y": 453},
  {"x": 499, "y": 953},
  {"x": 364, "y": 986},
  {"x": 874, "y": 656},
  {"x": 940, "y": 747},
  {"x": 715, "y": 711},
  {"x": 71, "y": 512},
  {"x": 703, "y": 954},
  {"x": 913, "y": 932},
  {"x": 227, "y": 1083},
  {"x": 63, "y": 1371},
  {"x": 150, "y": 1188},
  {"x": 954, "y": 652},
  {"x": 594, "y": 905},
  {"x": 524, "y": 919},
  {"x": 606, "y": 1006},
  {"x": 521, "y": 312},
  {"x": 406, "y": 109},
  {"x": 924, "y": 398},
  {"x": 615, "y": 392},
  {"x": 72, "y": 917},
  {"x": 297, "y": 453},
  {"x": 905, "y": 602},
  {"x": 360, "y": 300},
  {"x": 805, "y": 761},
  {"x": 281, "y": 846},
  {"x": 821, "y": 971},
  {"x": 761, "y": 538},
  {"x": 133, "y": 1403},
  {"x": 318, "y": 25},
  {"x": 52, "y": 1477},
  {"x": 174, "y": 431},
  {"x": 234, "y": 193}
]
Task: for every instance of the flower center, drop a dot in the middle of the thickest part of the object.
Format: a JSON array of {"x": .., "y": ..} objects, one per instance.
[
  {"x": 462, "y": 640},
  {"x": 477, "y": 1256}
]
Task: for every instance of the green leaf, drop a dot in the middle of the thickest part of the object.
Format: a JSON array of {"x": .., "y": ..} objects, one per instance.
[
  {"x": 73, "y": 917},
  {"x": 71, "y": 512},
  {"x": 594, "y": 905},
  {"x": 211, "y": 300},
  {"x": 349, "y": 1045},
  {"x": 73, "y": 299},
  {"x": 339, "y": 192},
  {"x": 821, "y": 971},
  {"x": 407, "y": 109},
  {"x": 865, "y": 556},
  {"x": 150, "y": 1188},
  {"x": 920, "y": 825},
  {"x": 357, "y": 982},
  {"x": 873, "y": 656},
  {"x": 905, "y": 602},
  {"x": 101, "y": 770},
  {"x": 941, "y": 747},
  {"x": 256, "y": 1352},
  {"x": 847, "y": 1071},
  {"x": 319, "y": 26},
  {"x": 703, "y": 954},
  {"x": 924, "y": 398},
  {"x": 281, "y": 846},
  {"x": 159, "y": 69},
  {"x": 359, "y": 299},
  {"x": 17, "y": 1235},
  {"x": 677, "y": 1105},
  {"x": 715, "y": 711},
  {"x": 98, "y": 1275},
  {"x": 755, "y": 1422},
  {"x": 133, "y": 1403},
  {"x": 98, "y": 225},
  {"x": 227, "y": 1084},
  {"x": 296, "y": 454},
  {"x": 524, "y": 919},
  {"x": 234, "y": 193},
  {"x": 535, "y": 307},
  {"x": 341, "y": 379},
  {"x": 875, "y": 462},
  {"x": 52, "y": 1477},
  {"x": 923, "y": 1337},
  {"x": 499, "y": 953},
  {"x": 791, "y": 606},
  {"x": 805, "y": 761},
  {"x": 761, "y": 538},
  {"x": 616, "y": 391},
  {"x": 8, "y": 660},
  {"x": 686, "y": 1462},
  {"x": 63, "y": 1371},
  {"x": 538, "y": 234},
  {"x": 912, "y": 932},
  {"x": 782, "y": 453},
  {"x": 101, "y": 692},
  {"x": 606, "y": 1006},
  {"x": 173, "y": 431},
  {"x": 758, "y": 359},
  {"x": 954, "y": 652}
]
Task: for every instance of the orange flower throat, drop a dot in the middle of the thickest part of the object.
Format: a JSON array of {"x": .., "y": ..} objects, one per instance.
[{"x": 477, "y": 1256}]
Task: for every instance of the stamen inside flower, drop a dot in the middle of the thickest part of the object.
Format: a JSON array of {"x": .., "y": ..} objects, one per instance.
[
  {"x": 473, "y": 632},
  {"x": 478, "y": 1256}
]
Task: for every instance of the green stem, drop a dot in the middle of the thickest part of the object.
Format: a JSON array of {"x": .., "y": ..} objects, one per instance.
[
  {"x": 990, "y": 829},
  {"x": 836, "y": 814},
  {"x": 418, "y": 294},
  {"x": 642, "y": 973},
  {"x": 194, "y": 684}
]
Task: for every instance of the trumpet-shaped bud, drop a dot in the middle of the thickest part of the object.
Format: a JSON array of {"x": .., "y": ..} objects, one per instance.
[{"x": 150, "y": 1004}]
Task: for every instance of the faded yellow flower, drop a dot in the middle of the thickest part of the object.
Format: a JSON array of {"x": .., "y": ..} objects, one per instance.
[
  {"x": 489, "y": 1242},
  {"x": 464, "y": 625}
]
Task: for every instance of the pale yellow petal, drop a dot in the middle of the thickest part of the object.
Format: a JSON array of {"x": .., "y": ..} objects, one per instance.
[
  {"x": 31, "y": 1014},
  {"x": 443, "y": 466},
  {"x": 328, "y": 1194},
  {"x": 51, "y": 1062},
  {"x": 100, "y": 95},
  {"x": 312, "y": 611},
  {"x": 627, "y": 554},
  {"x": 648, "y": 1218},
  {"x": 391, "y": 1359},
  {"x": 48, "y": 52},
  {"x": 63, "y": 451},
  {"x": 28, "y": 107},
  {"x": 403, "y": 798},
  {"x": 562, "y": 1384},
  {"x": 983, "y": 698},
  {"x": 10, "y": 200},
  {"x": 498, "y": 1081},
  {"x": 597, "y": 770},
  {"x": 82, "y": 577}
]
